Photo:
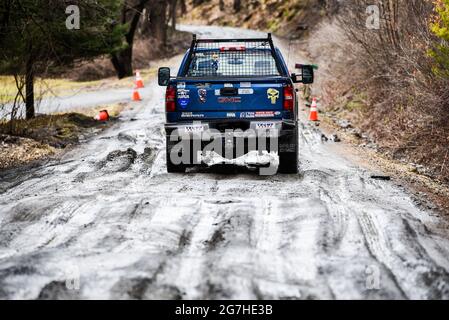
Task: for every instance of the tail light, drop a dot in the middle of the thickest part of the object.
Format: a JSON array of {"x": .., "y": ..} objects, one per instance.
[
  {"x": 289, "y": 98},
  {"x": 170, "y": 98}
]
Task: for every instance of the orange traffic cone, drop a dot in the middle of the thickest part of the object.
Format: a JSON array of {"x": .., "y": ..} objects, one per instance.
[
  {"x": 136, "y": 95},
  {"x": 103, "y": 115},
  {"x": 139, "y": 81},
  {"x": 313, "y": 111}
]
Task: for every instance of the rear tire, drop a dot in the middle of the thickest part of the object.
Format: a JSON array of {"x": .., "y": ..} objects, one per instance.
[
  {"x": 288, "y": 161},
  {"x": 175, "y": 168},
  {"x": 171, "y": 167}
]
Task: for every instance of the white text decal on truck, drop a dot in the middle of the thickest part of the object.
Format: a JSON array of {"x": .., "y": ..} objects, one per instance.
[{"x": 246, "y": 91}]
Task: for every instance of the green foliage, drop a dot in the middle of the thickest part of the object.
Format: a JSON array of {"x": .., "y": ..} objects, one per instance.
[
  {"x": 37, "y": 30},
  {"x": 440, "y": 27}
]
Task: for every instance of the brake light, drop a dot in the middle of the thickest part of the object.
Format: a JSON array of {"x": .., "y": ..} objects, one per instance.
[
  {"x": 170, "y": 98},
  {"x": 237, "y": 48},
  {"x": 289, "y": 98}
]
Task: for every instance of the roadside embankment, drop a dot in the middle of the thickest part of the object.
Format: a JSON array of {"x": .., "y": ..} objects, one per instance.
[{"x": 26, "y": 141}]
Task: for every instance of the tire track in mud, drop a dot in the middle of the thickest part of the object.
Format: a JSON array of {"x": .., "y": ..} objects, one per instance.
[
  {"x": 389, "y": 238},
  {"x": 410, "y": 275},
  {"x": 228, "y": 251},
  {"x": 193, "y": 259},
  {"x": 36, "y": 223},
  {"x": 346, "y": 200},
  {"x": 285, "y": 249},
  {"x": 337, "y": 227},
  {"x": 130, "y": 243},
  {"x": 158, "y": 237},
  {"x": 342, "y": 239},
  {"x": 180, "y": 269}
]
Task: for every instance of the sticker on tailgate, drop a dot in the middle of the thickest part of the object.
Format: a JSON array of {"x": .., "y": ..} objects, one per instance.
[
  {"x": 258, "y": 114},
  {"x": 273, "y": 95},
  {"x": 183, "y": 97},
  {"x": 246, "y": 91},
  {"x": 192, "y": 115}
]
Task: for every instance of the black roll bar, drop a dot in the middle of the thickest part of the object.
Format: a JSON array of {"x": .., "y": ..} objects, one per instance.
[{"x": 196, "y": 41}]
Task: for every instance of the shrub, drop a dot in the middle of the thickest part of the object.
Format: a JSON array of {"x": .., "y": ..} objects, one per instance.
[{"x": 440, "y": 27}]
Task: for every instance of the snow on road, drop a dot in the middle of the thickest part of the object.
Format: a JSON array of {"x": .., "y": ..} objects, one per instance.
[{"x": 107, "y": 221}]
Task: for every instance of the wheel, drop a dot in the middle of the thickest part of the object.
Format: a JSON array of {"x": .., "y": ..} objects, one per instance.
[
  {"x": 175, "y": 168},
  {"x": 288, "y": 161},
  {"x": 171, "y": 167}
]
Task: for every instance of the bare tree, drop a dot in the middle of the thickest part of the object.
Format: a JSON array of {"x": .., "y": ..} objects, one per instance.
[
  {"x": 237, "y": 5},
  {"x": 183, "y": 5},
  {"x": 130, "y": 16},
  {"x": 173, "y": 13}
]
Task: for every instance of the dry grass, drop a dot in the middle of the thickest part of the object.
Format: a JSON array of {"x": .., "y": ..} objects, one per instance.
[
  {"x": 15, "y": 151},
  {"x": 23, "y": 141},
  {"x": 54, "y": 130},
  {"x": 48, "y": 86},
  {"x": 406, "y": 117}
]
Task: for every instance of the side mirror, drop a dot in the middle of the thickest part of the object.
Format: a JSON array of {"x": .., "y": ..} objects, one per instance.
[
  {"x": 307, "y": 74},
  {"x": 163, "y": 76}
]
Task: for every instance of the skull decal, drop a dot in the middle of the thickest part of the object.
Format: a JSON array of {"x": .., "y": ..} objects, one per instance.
[
  {"x": 202, "y": 94},
  {"x": 273, "y": 95}
]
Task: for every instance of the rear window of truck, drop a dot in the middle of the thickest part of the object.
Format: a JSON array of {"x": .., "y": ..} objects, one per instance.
[{"x": 232, "y": 62}]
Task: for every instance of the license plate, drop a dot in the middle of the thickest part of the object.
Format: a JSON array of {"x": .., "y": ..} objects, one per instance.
[
  {"x": 194, "y": 128},
  {"x": 265, "y": 125}
]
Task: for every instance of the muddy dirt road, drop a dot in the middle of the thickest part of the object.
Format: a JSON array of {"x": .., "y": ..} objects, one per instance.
[{"x": 107, "y": 221}]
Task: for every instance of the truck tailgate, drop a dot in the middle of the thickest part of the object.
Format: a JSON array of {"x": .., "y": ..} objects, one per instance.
[{"x": 229, "y": 96}]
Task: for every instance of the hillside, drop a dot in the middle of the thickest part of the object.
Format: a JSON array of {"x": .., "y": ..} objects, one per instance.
[{"x": 285, "y": 18}]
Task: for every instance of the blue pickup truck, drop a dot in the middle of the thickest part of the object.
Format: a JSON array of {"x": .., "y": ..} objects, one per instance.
[{"x": 231, "y": 90}]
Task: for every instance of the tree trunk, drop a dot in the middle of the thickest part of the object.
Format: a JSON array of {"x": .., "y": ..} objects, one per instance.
[
  {"x": 29, "y": 87},
  {"x": 158, "y": 28},
  {"x": 122, "y": 62},
  {"x": 237, "y": 5},
  {"x": 4, "y": 20},
  {"x": 173, "y": 6},
  {"x": 183, "y": 7}
]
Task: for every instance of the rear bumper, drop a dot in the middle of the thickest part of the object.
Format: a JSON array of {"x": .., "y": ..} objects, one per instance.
[
  {"x": 226, "y": 116},
  {"x": 221, "y": 127},
  {"x": 230, "y": 140}
]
